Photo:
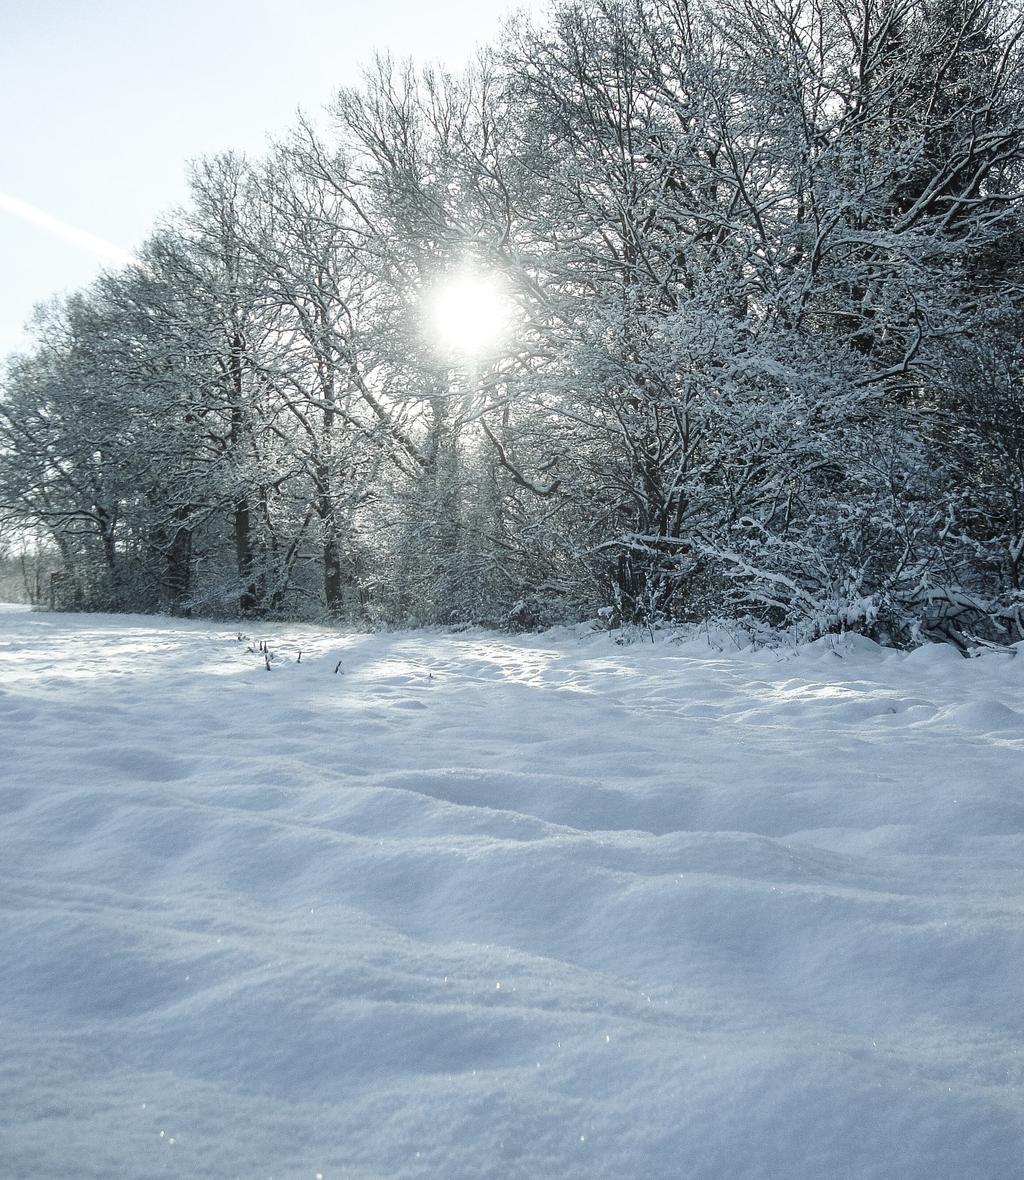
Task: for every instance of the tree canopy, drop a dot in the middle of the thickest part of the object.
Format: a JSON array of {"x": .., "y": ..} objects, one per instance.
[{"x": 763, "y": 265}]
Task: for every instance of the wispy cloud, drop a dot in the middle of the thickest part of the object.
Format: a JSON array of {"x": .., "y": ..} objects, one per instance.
[{"x": 60, "y": 229}]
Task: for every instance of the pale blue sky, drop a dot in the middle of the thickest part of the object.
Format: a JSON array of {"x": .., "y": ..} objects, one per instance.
[{"x": 104, "y": 101}]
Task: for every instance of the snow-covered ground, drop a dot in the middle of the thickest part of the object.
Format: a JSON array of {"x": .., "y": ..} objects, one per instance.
[{"x": 480, "y": 906}]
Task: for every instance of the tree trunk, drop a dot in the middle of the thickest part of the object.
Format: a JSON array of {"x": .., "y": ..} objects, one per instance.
[
  {"x": 248, "y": 599},
  {"x": 178, "y": 569}
]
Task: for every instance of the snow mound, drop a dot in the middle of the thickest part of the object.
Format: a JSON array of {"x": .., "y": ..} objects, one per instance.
[{"x": 986, "y": 715}]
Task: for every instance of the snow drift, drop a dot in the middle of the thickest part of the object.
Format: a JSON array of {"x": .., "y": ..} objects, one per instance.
[{"x": 474, "y": 906}]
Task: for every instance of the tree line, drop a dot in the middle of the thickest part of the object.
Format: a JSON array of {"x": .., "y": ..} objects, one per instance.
[{"x": 766, "y": 260}]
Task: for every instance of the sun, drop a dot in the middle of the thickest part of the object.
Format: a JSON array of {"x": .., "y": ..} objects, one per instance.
[{"x": 468, "y": 313}]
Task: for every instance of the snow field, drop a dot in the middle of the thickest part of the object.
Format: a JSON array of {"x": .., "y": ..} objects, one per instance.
[{"x": 480, "y": 906}]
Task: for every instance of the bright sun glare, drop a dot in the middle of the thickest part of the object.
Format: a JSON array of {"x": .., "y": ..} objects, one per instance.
[{"x": 468, "y": 313}]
